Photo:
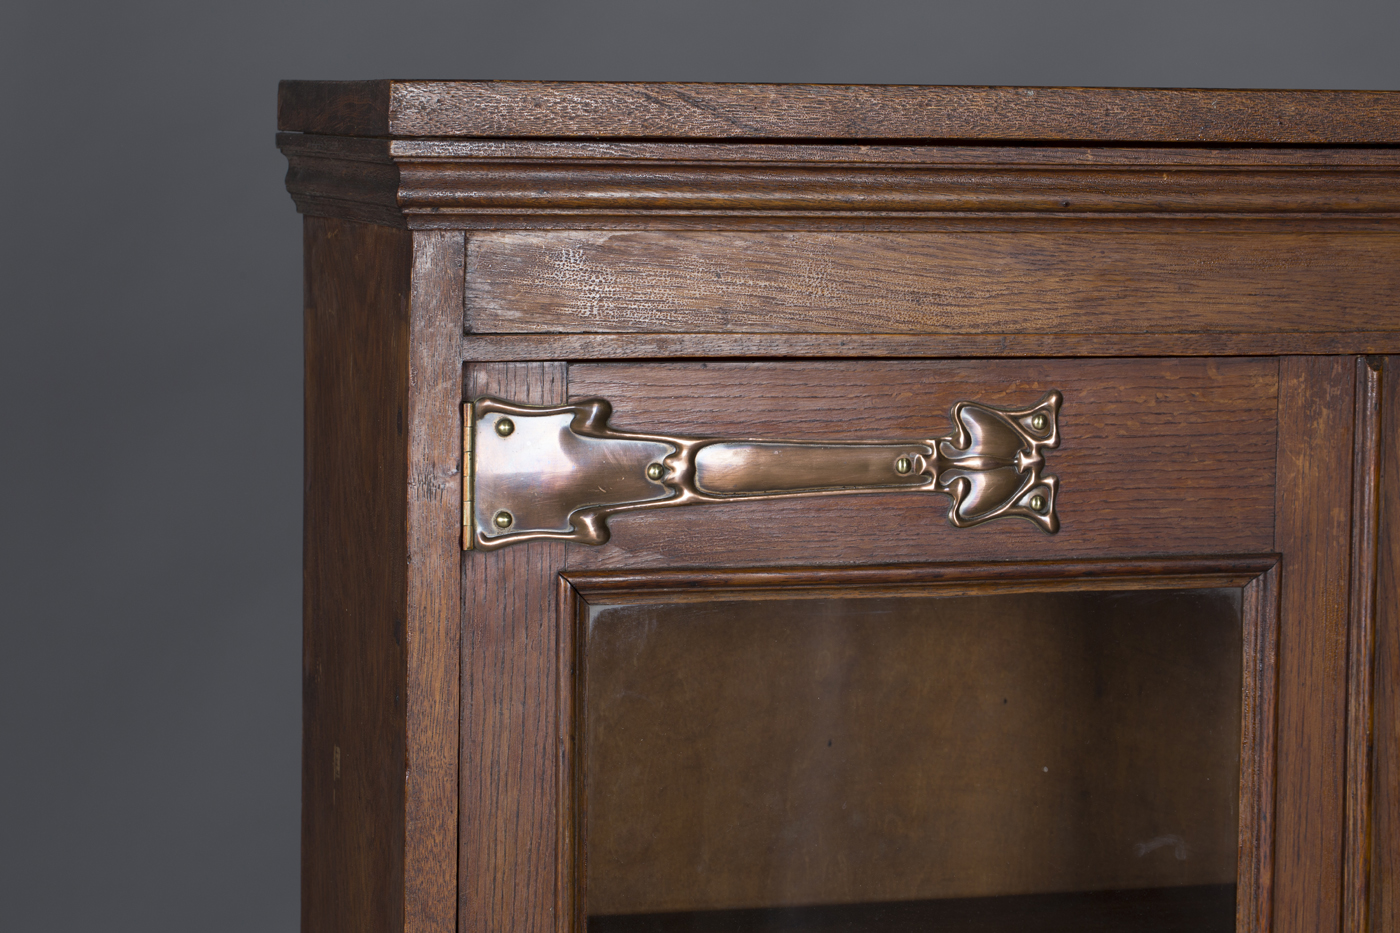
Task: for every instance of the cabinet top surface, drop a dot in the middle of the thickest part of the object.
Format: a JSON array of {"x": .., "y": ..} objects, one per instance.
[{"x": 535, "y": 109}]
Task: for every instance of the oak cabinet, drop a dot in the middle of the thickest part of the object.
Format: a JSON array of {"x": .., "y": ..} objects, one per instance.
[{"x": 1042, "y": 574}]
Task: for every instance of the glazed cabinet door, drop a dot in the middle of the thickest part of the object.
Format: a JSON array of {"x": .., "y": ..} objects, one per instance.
[{"x": 841, "y": 711}]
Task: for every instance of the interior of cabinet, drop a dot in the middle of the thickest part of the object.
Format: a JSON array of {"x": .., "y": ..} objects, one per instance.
[{"x": 843, "y": 763}]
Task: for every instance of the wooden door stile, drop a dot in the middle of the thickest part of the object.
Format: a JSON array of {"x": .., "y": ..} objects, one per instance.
[
  {"x": 1313, "y": 537},
  {"x": 433, "y": 600},
  {"x": 510, "y": 741},
  {"x": 1366, "y": 470},
  {"x": 1384, "y": 894}
]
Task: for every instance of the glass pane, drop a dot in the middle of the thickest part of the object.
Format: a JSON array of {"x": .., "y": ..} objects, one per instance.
[{"x": 1009, "y": 761}]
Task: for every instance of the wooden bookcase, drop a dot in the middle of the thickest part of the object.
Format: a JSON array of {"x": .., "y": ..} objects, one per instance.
[{"x": 1211, "y": 279}]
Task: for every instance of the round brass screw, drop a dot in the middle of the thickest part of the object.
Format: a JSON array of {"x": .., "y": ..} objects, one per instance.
[
  {"x": 505, "y": 427},
  {"x": 503, "y": 519},
  {"x": 655, "y": 471},
  {"x": 903, "y": 465},
  {"x": 1039, "y": 421},
  {"x": 1037, "y": 503}
]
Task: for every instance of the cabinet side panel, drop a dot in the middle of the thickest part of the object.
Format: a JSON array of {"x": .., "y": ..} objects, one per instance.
[
  {"x": 356, "y": 308},
  {"x": 510, "y": 814},
  {"x": 1313, "y": 535},
  {"x": 434, "y": 580},
  {"x": 1385, "y": 829}
]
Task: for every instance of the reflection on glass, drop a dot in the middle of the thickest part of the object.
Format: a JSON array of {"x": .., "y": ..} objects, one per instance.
[{"x": 1036, "y": 761}]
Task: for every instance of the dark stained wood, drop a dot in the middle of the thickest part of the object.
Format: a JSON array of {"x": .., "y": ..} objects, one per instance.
[
  {"x": 511, "y": 742},
  {"x": 1385, "y": 784},
  {"x": 1366, "y": 467},
  {"x": 1314, "y": 539},
  {"x": 489, "y": 348},
  {"x": 354, "y": 730},
  {"x": 797, "y": 111},
  {"x": 1157, "y": 457},
  {"x": 638, "y": 586},
  {"x": 341, "y": 177},
  {"x": 1197, "y": 271},
  {"x": 331, "y": 106},
  {"x": 512, "y": 183},
  {"x": 775, "y": 156},
  {"x": 434, "y": 597},
  {"x": 1258, "y": 753},
  {"x": 1197, "y": 909},
  {"x": 930, "y": 283},
  {"x": 599, "y": 187},
  {"x": 570, "y": 908}
]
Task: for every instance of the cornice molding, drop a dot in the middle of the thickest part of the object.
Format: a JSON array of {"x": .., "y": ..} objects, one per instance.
[{"x": 473, "y": 184}]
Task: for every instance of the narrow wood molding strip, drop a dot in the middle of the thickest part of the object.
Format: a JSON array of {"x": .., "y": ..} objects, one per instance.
[
  {"x": 806, "y": 111},
  {"x": 404, "y": 184},
  {"x": 1258, "y": 751},
  {"x": 840, "y": 152},
  {"x": 1163, "y": 572},
  {"x": 1384, "y": 900},
  {"x": 565, "y": 346},
  {"x": 1366, "y": 469}
]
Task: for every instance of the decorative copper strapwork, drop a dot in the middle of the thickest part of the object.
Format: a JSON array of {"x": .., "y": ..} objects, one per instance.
[{"x": 562, "y": 472}]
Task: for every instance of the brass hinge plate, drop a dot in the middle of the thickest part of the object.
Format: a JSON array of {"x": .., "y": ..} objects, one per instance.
[{"x": 561, "y": 472}]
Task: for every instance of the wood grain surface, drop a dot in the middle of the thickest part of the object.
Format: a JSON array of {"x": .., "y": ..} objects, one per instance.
[
  {"x": 1365, "y": 500},
  {"x": 1385, "y": 806},
  {"x": 776, "y": 111},
  {"x": 511, "y": 742},
  {"x": 434, "y": 596},
  {"x": 1255, "y": 880},
  {"x": 506, "y": 152},
  {"x": 1067, "y": 283},
  {"x": 447, "y": 186},
  {"x": 1157, "y": 457},
  {"x": 355, "y": 577},
  {"x": 1313, "y": 537},
  {"x": 950, "y": 578},
  {"x": 514, "y": 183},
  {"x": 491, "y": 348}
]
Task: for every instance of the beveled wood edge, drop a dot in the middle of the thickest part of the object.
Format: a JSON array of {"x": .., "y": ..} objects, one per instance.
[
  {"x": 846, "y": 222},
  {"x": 609, "y": 586},
  {"x": 1256, "y": 575},
  {"x": 627, "y": 110},
  {"x": 570, "y": 896},
  {"x": 1365, "y": 512},
  {"x": 1258, "y": 751},
  {"x": 837, "y": 153},
  {"x": 1385, "y": 787},
  {"x": 652, "y": 346}
]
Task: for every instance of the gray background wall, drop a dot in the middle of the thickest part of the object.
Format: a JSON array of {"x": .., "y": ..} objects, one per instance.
[{"x": 150, "y": 345}]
